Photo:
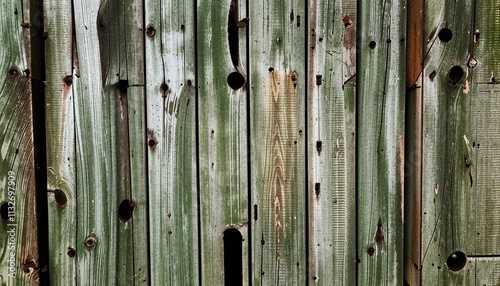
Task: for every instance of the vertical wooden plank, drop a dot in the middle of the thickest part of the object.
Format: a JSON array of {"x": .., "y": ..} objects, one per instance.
[
  {"x": 105, "y": 194},
  {"x": 222, "y": 115},
  {"x": 331, "y": 144},
  {"x": 447, "y": 143},
  {"x": 171, "y": 141},
  {"x": 413, "y": 144},
  {"x": 486, "y": 271},
  {"x": 59, "y": 110},
  {"x": 278, "y": 151},
  {"x": 19, "y": 259},
  {"x": 380, "y": 141}
]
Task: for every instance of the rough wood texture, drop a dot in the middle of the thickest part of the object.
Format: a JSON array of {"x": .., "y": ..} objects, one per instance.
[
  {"x": 222, "y": 133},
  {"x": 171, "y": 141},
  {"x": 380, "y": 145},
  {"x": 17, "y": 169},
  {"x": 331, "y": 143},
  {"x": 60, "y": 129},
  {"x": 460, "y": 143},
  {"x": 278, "y": 137}
]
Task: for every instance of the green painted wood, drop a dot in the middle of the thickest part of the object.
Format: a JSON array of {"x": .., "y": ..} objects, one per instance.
[
  {"x": 446, "y": 189},
  {"x": 278, "y": 144},
  {"x": 223, "y": 144},
  {"x": 59, "y": 110},
  {"x": 461, "y": 140},
  {"x": 18, "y": 231},
  {"x": 106, "y": 249},
  {"x": 486, "y": 271},
  {"x": 380, "y": 141},
  {"x": 331, "y": 143},
  {"x": 171, "y": 141}
]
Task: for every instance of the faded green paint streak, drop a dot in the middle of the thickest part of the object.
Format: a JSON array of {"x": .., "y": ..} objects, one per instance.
[
  {"x": 222, "y": 134},
  {"x": 380, "y": 145},
  {"x": 170, "y": 89}
]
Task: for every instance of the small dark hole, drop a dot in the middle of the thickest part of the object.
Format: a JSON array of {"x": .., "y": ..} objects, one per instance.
[
  {"x": 317, "y": 189},
  {"x": 235, "y": 80},
  {"x": 371, "y": 251},
  {"x": 233, "y": 257},
  {"x": 150, "y": 31},
  {"x": 445, "y": 35},
  {"x": 29, "y": 266},
  {"x": 164, "y": 87},
  {"x": 152, "y": 143},
  {"x": 455, "y": 74},
  {"x": 90, "y": 242},
  {"x": 189, "y": 82},
  {"x": 13, "y": 72},
  {"x": 68, "y": 80},
  {"x": 126, "y": 209},
  {"x": 315, "y": 278},
  {"x": 60, "y": 198},
  {"x": 123, "y": 85},
  {"x": 456, "y": 261},
  {"x": 71, "y": 252},
  {"x": 319, "y": 145},
  {"x": 372, "y": 45},
  {"x": 270, "y": 69},
  {"x": 432, "y": 75}
]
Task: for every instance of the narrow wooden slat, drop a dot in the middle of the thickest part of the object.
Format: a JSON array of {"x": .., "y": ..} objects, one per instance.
[
  {"x": 446, "y": 187},
  {"x": 278, "y": 129},
  {"x": 331, "y": 143},
  {"x": 380, "y": 141},
  {"x": 61, "y": 177},
  {"x": 413, "y": 143},
  {"x": 222, "y": 109},
  {"x": 171, "y": 141},
  {"x": 138, "y": 182},
  {"x": 18, "y": 229}
]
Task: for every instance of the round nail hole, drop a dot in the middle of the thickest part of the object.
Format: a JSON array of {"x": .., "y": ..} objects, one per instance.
[
  {"x": 90, "y": 242},
  {"x": 235, "y": 80},
  {"x": 150, "y": 31},
  {"x": 68, "y": 80},
  {"x": 125, "y": 210},
  {"x": 456, "y": 261},
  {"x": 29, "y": 266},
  {"x": 151, "y": 143},
  {"x": 445, "y": 35},
  {"x": 13, "y": 72},
  {"x": 71, "y": 252},
  {"x": 372, "y": 45},
  {"x": 164, "y": 87},
  {"x": 60, "y": 198},
  {"x": 455, "y": 74},
  {"x": 271, "y": 69}
]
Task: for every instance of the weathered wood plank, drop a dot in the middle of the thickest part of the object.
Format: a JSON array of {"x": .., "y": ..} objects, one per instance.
[
  {"x": 222, "y": 109},
  {"x": 380, "y": 141},
  {"x": 413, "y": 143},
  {"x": 61, "y": 177},
  {"x": 171, "y": 140},
  {"x": 19, "y": 261},
  {"x": 104, "y": 180},
  {"x": 278, "y": 130},
  {"x": 331, "y": 143},
  {"x": 446, "y": 186}
]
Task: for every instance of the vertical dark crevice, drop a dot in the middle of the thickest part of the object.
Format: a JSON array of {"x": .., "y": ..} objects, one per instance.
[
  {"x": 233, "y": 257},
  {"x": 37, "y": 70},
  {"x": 197, "y": 138},
  {"x": 306, "y": 135},
  {"x": 249, "y": 145},
  {"x": 145, "y": 138},
  {"x": 359, "y": 27}
]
